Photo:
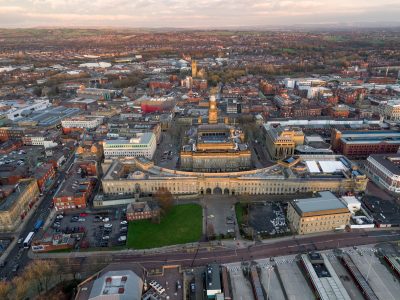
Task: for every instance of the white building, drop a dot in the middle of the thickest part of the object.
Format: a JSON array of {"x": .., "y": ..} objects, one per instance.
[
  {"x": 39, "y": 141},
  {"x": 87, "y": 122},
  {"x": 143, "y": 145},
  {"x": 19, "y": 107},
  {"x": 352, "y": 203},
  {"x": 384, "y": 170}
]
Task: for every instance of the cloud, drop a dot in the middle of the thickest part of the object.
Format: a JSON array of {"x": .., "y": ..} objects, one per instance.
[{"x": 200, "y": 13}]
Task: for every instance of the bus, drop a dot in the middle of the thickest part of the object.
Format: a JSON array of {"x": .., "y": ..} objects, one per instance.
[
  {"x": 28, "y": 240},
  {"x": 38, "y": 225}
]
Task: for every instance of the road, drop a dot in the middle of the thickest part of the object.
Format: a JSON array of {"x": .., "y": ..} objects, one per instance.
[
  {"x": 286, "y": 247},
  {"x": 41, "y": 211},
  {"x": 224, "y": 255}
]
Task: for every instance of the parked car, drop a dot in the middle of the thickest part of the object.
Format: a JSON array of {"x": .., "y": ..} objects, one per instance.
[
  {"x": 15, "y": 268},
  {"x": 81, "y": 220},
  {"x": 107, "y": 225},
  {"x": 193, "y": 287},
  {"x": 106, "y": 237},
  {"x": 106, "y": 219},
  {"x": 59, "y": 217},
  {"x": 178, "y": 285},
  {"x": 83, "y": 214},
  {"x": 230, "y": 220},
  {"x": 122, "y": 238}
]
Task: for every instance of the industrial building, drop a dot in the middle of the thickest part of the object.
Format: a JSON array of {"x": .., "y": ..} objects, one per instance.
[
  {"x": 323, "y": 277},
  {"x": 360, "y": 144}
]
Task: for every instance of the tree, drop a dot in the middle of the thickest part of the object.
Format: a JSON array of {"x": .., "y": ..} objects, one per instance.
[
  {"x": 210, "y": 231},
  {"x": 21, "y": 287},
  {"x": 164, "y": 199},
  {"x": 5, "y": 289},
  {"x": 40, "y": 273}
]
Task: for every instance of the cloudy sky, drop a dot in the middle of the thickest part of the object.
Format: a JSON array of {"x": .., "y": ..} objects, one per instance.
[{"x": 193, "y": 13}]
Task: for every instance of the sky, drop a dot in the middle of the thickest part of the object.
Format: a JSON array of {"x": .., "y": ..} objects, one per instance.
[{"x": 193, "y": 13}]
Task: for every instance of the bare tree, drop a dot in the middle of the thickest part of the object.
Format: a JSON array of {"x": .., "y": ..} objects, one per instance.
[
  {"x": 5, "y": 289},
  {"x": 164, "y": 199},
  {"x": 40, "y": 273},
  {"x": 210, "y": 231},
  {"x": 21, "y": 288}
]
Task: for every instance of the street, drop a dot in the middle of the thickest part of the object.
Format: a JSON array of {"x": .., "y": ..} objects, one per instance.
[
  {"x": 19, "y": 255},
  {"x": 227, "y": 255}
]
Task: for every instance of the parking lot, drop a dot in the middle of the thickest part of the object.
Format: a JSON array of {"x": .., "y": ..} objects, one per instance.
[
  {"x": 169, "y": 284},
  {"x": 268, "y": 218},
  {"x": 194, "y": 283},
  {"x": 221, "y": 214},
  {"x": 94, "y": 229}
]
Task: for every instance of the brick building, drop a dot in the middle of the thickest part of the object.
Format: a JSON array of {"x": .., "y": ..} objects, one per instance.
[
  {"x": 142, "y": 210},
  {"x": 75, "y": 190},
  {"x": 44, "y": 174},
  {"x": 339, "y": 111},
  {"x": 360, "y": 144}
]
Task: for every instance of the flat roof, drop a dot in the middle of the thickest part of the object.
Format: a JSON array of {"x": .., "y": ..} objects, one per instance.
[
  {"x": 324, "y": 279},
  {"x": 144, "y": 139},
  {"x": 324, "y": 204},
  {"x": 213, "y": 279},
  {"x": 391, "y": 162},
  {"x": 122, "y": 285}
]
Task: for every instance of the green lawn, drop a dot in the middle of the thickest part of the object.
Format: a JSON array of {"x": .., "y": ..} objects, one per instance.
[
  {"x": 239, "y": 213},
  {"x": 182, "y": 224}
]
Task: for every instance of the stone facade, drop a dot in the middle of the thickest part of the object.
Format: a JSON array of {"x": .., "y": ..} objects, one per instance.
[
  {"x": 16, "y": 205},
  {"x": 281, "y": 142},
  {"x": 216, "y": 162},
  {"x": 319, "y": 221},
  {"x": 132, "y": 176},
  {"x": 215, "y": 147}
]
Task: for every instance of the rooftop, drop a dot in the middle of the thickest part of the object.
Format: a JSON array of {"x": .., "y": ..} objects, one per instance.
[
  {"x": 9, "y": 201},
  {"x": 326, "y": 203},
  {"x": 51, "y": 116},
  {"x": 213, "y": 277},
  {"x": 122, "y": 285},
  {"x": 141, "y": 138},
  {"x": 390, "y": 162}
]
